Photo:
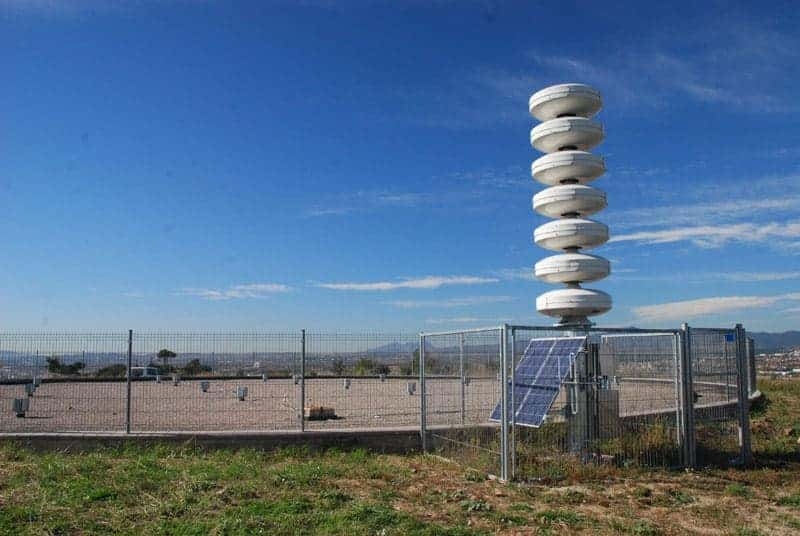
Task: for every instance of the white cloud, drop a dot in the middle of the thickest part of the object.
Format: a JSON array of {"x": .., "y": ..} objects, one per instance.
[
  {"x": 512, "y": 177},
  {"x": 705, "y": 212},
  {"x": 756, "y": 276},
  {"x": 459, "y": 320},
  {"x": 236, "y": 292},
  {"x": 740, "y": 64},
  {"x": 451, "y": 302},
  {"x": 712, "y": 236},
  {"x": 427, "y": 282},
  {"x": 525, "y": 273},
  {"x": 708, "y": 306},
  {"x": 704, "y": 277},
  {"x": 710, "y": 220},
  {"x": 367, "y": 201}
]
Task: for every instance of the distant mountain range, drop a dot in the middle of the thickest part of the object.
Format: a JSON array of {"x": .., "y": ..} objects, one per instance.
[{"x": 772, "y": 342}]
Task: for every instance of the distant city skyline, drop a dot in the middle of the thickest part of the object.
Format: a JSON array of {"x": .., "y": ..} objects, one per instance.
[{"x": 351, "y": 166}]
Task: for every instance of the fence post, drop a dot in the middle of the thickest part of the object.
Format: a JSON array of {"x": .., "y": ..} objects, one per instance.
[
  {"x": 422, "y": 395},
  {"x": 743, "y": 400},
  {"x": 461, "y": 374},
  {"x": 751, "y": 367},
  {"x": 679, "y": 413},
  {"x": 302, "y": 415},
  {"x": 504, "y": 405},
  {"x": 687, "y": 430},
  {"x": 128, "y": 384}
]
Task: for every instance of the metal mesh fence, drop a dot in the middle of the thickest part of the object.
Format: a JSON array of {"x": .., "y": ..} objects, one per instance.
[
  {"x": 207, "y": 382},
  {"x": 660, "y": 397},
  {"x": 715, "y": 395},
  {"x": 619, "y": 406},
  {"x": 60, "y": 381},
  {"x": 462, "y": 388},
  {"x": 202, "y": 378},
  {"x": 361, "y": 381},
  {"x": 633, "y": 397}
]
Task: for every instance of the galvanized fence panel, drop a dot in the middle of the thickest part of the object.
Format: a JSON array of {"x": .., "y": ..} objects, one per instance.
[
  {"x": 462, "y": 387},
  {"x": 216, "y": 382},
  {"x": 66, "y": 382},
  {"x": 648, "y": 397},
  {"x": 361, "y": 380},
  {"x": 718, "y": 410},
  {"x": 620, "y": 407},
  {"x": 644, "y": 408}
]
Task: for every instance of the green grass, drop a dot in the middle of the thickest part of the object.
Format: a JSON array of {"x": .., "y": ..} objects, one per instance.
[
  {"x": 738, "y": 490},
  {"x": 790, "y": 500},
  {"x": 172, "y": 490}
]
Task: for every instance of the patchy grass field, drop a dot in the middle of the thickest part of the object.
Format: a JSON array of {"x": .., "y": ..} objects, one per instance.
[{"x": 166, "y": 490}]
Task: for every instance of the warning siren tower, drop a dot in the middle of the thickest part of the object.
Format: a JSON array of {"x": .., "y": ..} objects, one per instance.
[{"x": 566, "y": 133}]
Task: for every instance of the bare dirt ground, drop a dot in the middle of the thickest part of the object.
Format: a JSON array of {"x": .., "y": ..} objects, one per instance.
[{"x": 274, "y": 405}]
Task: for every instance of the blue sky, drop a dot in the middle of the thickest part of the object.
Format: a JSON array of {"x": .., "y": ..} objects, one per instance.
[{"x": 364, "y": 166}]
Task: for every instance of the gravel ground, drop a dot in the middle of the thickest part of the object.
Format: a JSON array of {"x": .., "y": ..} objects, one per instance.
[{"x": 274, "y": 405}]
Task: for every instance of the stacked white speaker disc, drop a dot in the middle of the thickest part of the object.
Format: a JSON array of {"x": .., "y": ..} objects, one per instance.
[{"x": 566, "y": 133}]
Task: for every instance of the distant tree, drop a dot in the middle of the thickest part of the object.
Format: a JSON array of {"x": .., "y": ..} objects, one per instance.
[
  {"x": 165, "y": 355},
  {"x": 74, "y": 368},
  {"x": 193, "y": 368},
  {"x": 381, "y": 368},
  {"x": 363, "y": 366},
  {"x": 55, "y": 365}
]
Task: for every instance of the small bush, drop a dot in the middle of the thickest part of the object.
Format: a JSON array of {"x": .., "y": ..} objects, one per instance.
[
  {"x": 790, "y": 500},
  {"x": 737, "y": 490},
  {"x": 194, "y": 368},
  {"x": 475, "y": 506},
  {"x": 645, "y": 528},
  {"x": 55, "y": 365}
]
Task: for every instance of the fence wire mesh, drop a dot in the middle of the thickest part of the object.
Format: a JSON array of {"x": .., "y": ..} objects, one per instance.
[
  {"x": 654, "y": 398},
  {"x": 619, "y": 407},
  {"x": 624, "y": 402},
  {"x": 202, "y": 379},
  {"x": 715, "y": 395},
  {"x": 462, "y": 388},
  {"x": 362, "y": 381},
  {"x": 41, "y": 369}
]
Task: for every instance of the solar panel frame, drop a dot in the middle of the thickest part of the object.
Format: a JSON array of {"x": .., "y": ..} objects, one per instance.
[{"x": 538, "y": 376}]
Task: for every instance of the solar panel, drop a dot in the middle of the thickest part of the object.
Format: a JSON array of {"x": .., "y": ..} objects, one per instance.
[{"x": 538, "y": 377}]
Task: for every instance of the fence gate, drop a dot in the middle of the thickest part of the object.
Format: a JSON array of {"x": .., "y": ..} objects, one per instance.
[
  {"x": 462, "y": 384},
  {"x": 720, "y": 395}
]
